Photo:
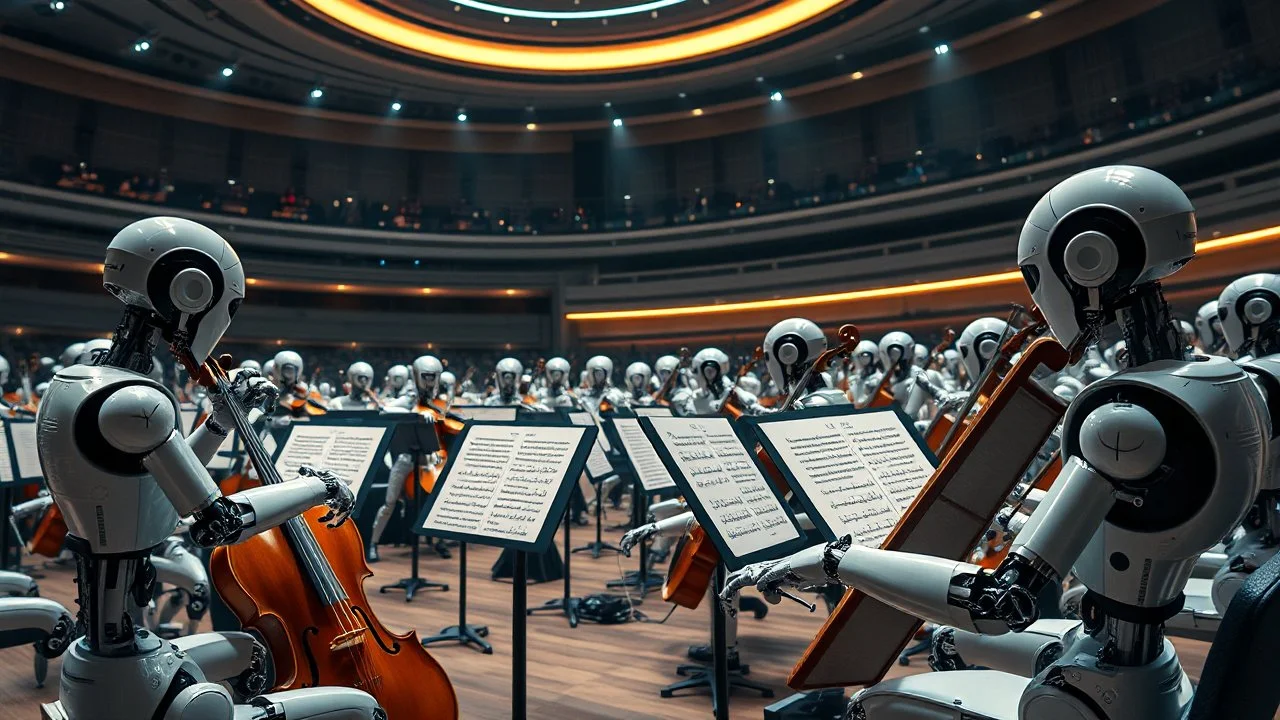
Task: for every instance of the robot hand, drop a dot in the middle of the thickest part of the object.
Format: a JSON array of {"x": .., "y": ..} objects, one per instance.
[
  {"x": 801, "y": 570},
  {"x": 338, "y": 496},
  {"x": 249, "y": 390},
  {"x": 60, "y": 638},
  {"x": 943, "y": 655},
  {"x": 636, "y": 536}
]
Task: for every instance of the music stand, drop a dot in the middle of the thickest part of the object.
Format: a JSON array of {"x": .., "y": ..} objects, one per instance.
[
  {"x": 19, "y": 465},
  {"x": 599, "y": 469},
  {"x": 416, "y": 437}
]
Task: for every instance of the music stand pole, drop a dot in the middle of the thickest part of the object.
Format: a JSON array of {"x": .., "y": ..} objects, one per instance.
[
  {"x": 639, "y": 579},
  {"x": 719, "y": 651},
  {"x": 412, "y": 584},
  {"x": 6, "y": 503},
  {"x": 599, "y": 545},
  {"x": 463, "y": 633},
  {"x": 519, "y": 639},
  {"x": 567, "y": 603}
]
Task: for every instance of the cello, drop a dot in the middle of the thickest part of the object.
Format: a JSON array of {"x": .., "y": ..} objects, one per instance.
[
  {"x": 694, "y": 559},
  {"x": 729, "y": 406},
  {"x": 302, "y": 590},
  {"x": 660, "y": 395}
]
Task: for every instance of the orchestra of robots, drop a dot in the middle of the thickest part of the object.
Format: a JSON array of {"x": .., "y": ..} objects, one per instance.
[{"x": 1148, "y": 504}]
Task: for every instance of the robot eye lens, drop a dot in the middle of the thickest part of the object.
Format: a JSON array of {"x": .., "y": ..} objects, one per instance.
[{"x": 1031, "y": 274}]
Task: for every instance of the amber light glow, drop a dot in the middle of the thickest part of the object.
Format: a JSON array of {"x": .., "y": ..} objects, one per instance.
[
  {"x": 382, "y": 26},
  {"x": 1011, "y": 276}
]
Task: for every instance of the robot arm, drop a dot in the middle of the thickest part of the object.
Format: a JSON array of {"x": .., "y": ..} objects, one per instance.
[
  {"x": 670, "y": 527},
  {"x": 945, "y": 399},
  {"x": 16, "y": 583},
  {"x": 36, "y": 620},
  {"x": 140, "y": 420}
]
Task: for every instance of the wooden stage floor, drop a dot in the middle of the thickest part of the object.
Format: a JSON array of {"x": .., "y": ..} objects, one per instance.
[{"x": 589, "y": 673}]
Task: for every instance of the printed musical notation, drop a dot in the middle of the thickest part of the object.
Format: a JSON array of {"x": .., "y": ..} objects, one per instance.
[
  {"x": 345, "y": 450},
  {"x": 727, "y": 483},
  {"x": 504, "y": 481},
  {"x": 598, "y": 465},
  {"x": 860, "y": 472},
  {"x": 653, "y": 474},
  {"x": 24, "y": 450},
  {"x": 6, "y": 462}
]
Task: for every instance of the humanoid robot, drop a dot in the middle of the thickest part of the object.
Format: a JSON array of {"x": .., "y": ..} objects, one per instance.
[
  {"x": 662, "y": 369},
  {"x": 91, "y": 350},
  {"x": 896, "y": 351},
  {"x": 397, "y": 382},
  {"x": 448, "y": 385},
  {"x": 69, "y": 355},
  {"x": 360, "y": 396},
  {"x": 977, "y": 347},
  {"x": 1131, "y": 510},
  {"x": 123, "y": 476},
  {"x": 1209, "y": 329},
  {"x": 751, "y": 383},
  {"x": 637, "y": 377},
  {"x": 555, "y": 391},
  {"x": 297, "y": 397},
  {"x": 863, "y": 377},
  {"x": 507, "y": 375},
  {"x": 600, "y": 394},
  {"x": 1249, "y": 316},
  {"x": 28, "y": 619},
  {"x": 176, "y": 566},
  {"x": 709, "y": 387},
  {"x": 252, "y": 364}
]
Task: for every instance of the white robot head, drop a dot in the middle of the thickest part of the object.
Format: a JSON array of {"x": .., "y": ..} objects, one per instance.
[
  {"x": 599, "y": 371},
  {"x": 864, "y": 354},
  {"x": 557, "y": 370},
  {"x": 710, "y": 366},
  {"x": 1248, "y": 309},
  {"x": 508, "y": 372},
  {"x": 1095, "y": 236},
  {"x": 41, "y": 388},
  {"x": 750, "y": 383},
  {"x": 951, "y": 359},
  {"x": 1115, "y": 355},
  {"x": 93, "y": 351},
  {"x": 896, "y": 352},
  {"x": 325, "y": 390},
  {"x": 1209, "y": 327},
  {"x": 979, "y": 343},
  {"x": 360, "y": 375},
  {"x": 4, "y": 370},
  {"x": 790, "y": 347},
  {"x": 397, "y": 377},
  {"x": 252, "y": 365},
  {"x": 286, "y": 368},
  {"x": 428, "y": 371},
  {"x": 920, "y": 356},
  {"x": 665, "y": 365},
  {"x": 447, "y": 381},
  {"x": 1188, "y": 332},
  {"x": 638, "y": 375},
  {"x": 1067, "y": 388},
  {"x": 68, "y": 356},
  {"x": 269, "y": 368},
  {"x": 182, "y": 272}
]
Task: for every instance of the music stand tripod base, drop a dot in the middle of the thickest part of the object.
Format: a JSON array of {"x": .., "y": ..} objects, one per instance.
[
  {"x": 464, "y": 635},
  {"x": 412, "y": 585},
  {"x": 598, "y": 545}
]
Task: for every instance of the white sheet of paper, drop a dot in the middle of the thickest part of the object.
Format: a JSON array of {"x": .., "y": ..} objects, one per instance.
[
  {"x": 652, "y": 411},
  {"x": 24, "y": 449},
  {"x": 188, "y": 413},
  {"x": 861, "y": 471},
  {"x": 224, "y": 459},
  {"x": 6, "y": 463},
  {"x": 493, "y": 414},
  {"x": 652, "y": 473},
  {"x": 598, "y": 465},
  {"x": 724, "y": 478},
  {"x": 347, "y": 451},
  {"x": 503, "y": 481}
]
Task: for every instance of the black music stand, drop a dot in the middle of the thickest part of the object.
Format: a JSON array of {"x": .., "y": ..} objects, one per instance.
[
  {"x": 12, "y": 431},
  {"x": 566, "y": 603},
  {"x": 463, "y": 633},
  {"x": 416, "y": 438},
  {"x": 641, "y": 579},
  {"x": 597, "y": 546}
]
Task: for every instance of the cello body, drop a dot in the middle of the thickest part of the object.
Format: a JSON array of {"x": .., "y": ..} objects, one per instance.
[
  {"x": 265, "y": 586},
  {"x": 50, "y": 533}
]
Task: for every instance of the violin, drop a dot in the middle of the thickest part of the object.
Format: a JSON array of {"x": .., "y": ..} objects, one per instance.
[
  {"x": 993, "y": 550},
  {"x": 730, "y": 405},
  {"x": 695, "y": 558},
  {"x": 447, "y": 426},
  {"x": 301, "y": 587},
  {"x": 304, "y": 401},
  {"x": 660, "y": 395}
]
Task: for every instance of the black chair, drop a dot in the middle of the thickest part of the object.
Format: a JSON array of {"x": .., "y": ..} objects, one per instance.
[{"x": 1239, "y": 678}]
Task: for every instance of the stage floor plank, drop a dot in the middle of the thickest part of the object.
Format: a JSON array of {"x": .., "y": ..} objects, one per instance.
[{"x": 592, "y": 672}]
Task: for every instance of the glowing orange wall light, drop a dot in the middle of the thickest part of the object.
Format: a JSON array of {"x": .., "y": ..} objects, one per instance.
[
  {"x": 991, "y": 279},
  {"x": 725, "y": 36}
]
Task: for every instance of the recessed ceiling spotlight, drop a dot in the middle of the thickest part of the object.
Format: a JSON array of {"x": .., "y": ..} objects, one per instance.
[
  {"x": 608, "y": 103},
  {"x": 776, "y": 96},
  {"x": 683, "y": 95},
  {"x": 653, "y": 13},
  {"x": 759, "y": 78},
  {"x": 57, "y": 6},
  {"x": 1035, "y": 15},
  {"x": 531, "y": 126},
  {"x": 942, "y": 49},
  {"x": 506, "y": 19},
  {"x": 142, "y": 45},
  {"x": 857, "y": 75},
  {"x": 617, "y": 122},
  {"x": 462, "y": 115},
  {"x": 396, "y": 106},
  {"x": 317, "y": 92},
  {"x": 697, "y": 112},
  {"x": 839, "y": 56},
  {"x": 554, "y": 23},
  {"x": 924, "y": 29},
  {"x": 228, "y": 71}
]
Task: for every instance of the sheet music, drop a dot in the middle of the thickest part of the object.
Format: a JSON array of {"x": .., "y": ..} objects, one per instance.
[
  {"x": 6, "y": 463},
  {"x": 652, "y": 473},
  {"x": 503, "y": 481},
  {"x": 188, "y": 413},
  {"x": 861, "y": 472},
  {"x": 24, "y": 450},
  {"x": 347, "y": 451},
  {"x": 479, "y": 412},
  {"x": 652, "y": 411},
  {"x": 598, "y": 465},
  {"x": 225, "y": 457},
  {"x": 726, "y": 482}
]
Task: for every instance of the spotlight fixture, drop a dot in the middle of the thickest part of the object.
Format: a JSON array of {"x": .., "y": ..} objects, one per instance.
[
  {"x": 1035, "y": 15},
  {"x": 697, "y": 112},
  {"x": 617, "y": 122},
  {"x": 776, "y": 96},
  {"x": 57, "y": 6},
  {"x": 462, "y": 114},
  {"x": 682, "y": 95},
  {"x": 608, "y": 104},
  {"x": 531, "y": 126},
  {"x": 857, "y": 75},
  {"x": 396, "y": 106},
  {"x": 759, "y": 78},
  {"x": 228, "y": 71},
  {"x": 317, "y": 92},
  {"x": 942, "y": 49},
  {"x": 142, "y": 45}
]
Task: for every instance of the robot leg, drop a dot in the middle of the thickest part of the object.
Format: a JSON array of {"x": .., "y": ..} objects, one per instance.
[
  {"x": 1025, "y": 653},
  {"x": 234, "y": 657},
  {"x": 38, "y": 621},
  {"x": 15, "y": 583},
  {"x": 183, "y": 569},
  {"x": 395, "y": 486},
  {"x": 960, "y": 695},
  {"x": 328, "y": 703}
]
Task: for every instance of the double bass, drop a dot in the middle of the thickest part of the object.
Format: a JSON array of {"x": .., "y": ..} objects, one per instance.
[
  {"x": 694, "y": 559},
  {"x": 301, "y": 587}
]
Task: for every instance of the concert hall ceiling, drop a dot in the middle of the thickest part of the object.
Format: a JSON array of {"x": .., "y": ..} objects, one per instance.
[{"x": 504, "y": 61}]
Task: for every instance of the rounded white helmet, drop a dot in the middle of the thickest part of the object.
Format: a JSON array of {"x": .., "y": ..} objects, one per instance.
[
  {"x": 750, "y": 383},
  {"x": 790, "y": 347},
  {"x": 557, "y": 370},
  {"x": 252, "y": 365},
  {"x": 4, "y": 370},
  {"x": 447, "y": 381},
  {"x": 69, "y": 355},
  {"x": 509, "y": 371},
  {"x": 1248, "y": 310},
  {"x": 979, "y": 343},
  {"x": 360, "y": 375},
  {"x": 896, "y": 352},
  {"x": 920, "y": 356},
  {"x": 638, "y": 374},
  {"x": 397, "y": 377},
  {"x": 269, "y": 368},
  {"x": 182, "y": 272},
  {"x": 1188, "y": 332},
  {"x": 951, "y": 357},
  {"x": 1209, "y": 327},
  {"x": 599, "y": 370},
  {"x": 93, "y": 351},
  {"x": 286, "y": 368},
  {"x": 428, "y": 371},
  {"x": 709, "y": 366},
  {"x": 1097, "y": 235},
  {"x": 864, "y": 353}
]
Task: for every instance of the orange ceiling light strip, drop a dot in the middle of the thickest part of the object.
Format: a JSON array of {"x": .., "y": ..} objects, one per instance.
[
  {"x": 623, "y": 56},
  {"x": 1011, "y": 276}
]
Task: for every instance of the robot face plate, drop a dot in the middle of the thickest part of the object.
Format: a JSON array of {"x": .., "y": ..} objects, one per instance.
[
  {"x": 360, "y": 375},
  {"x": 791, "y": 346},
  {"x": 1244, "y": 307}
]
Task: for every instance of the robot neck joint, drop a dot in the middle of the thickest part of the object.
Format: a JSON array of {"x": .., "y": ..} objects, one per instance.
[
  {"x": 134, "y": 342},
  {"x": 1150, "y": 333}
]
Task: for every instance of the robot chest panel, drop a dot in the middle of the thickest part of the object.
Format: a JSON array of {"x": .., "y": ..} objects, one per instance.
[{"x": 106, "y": 496}]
